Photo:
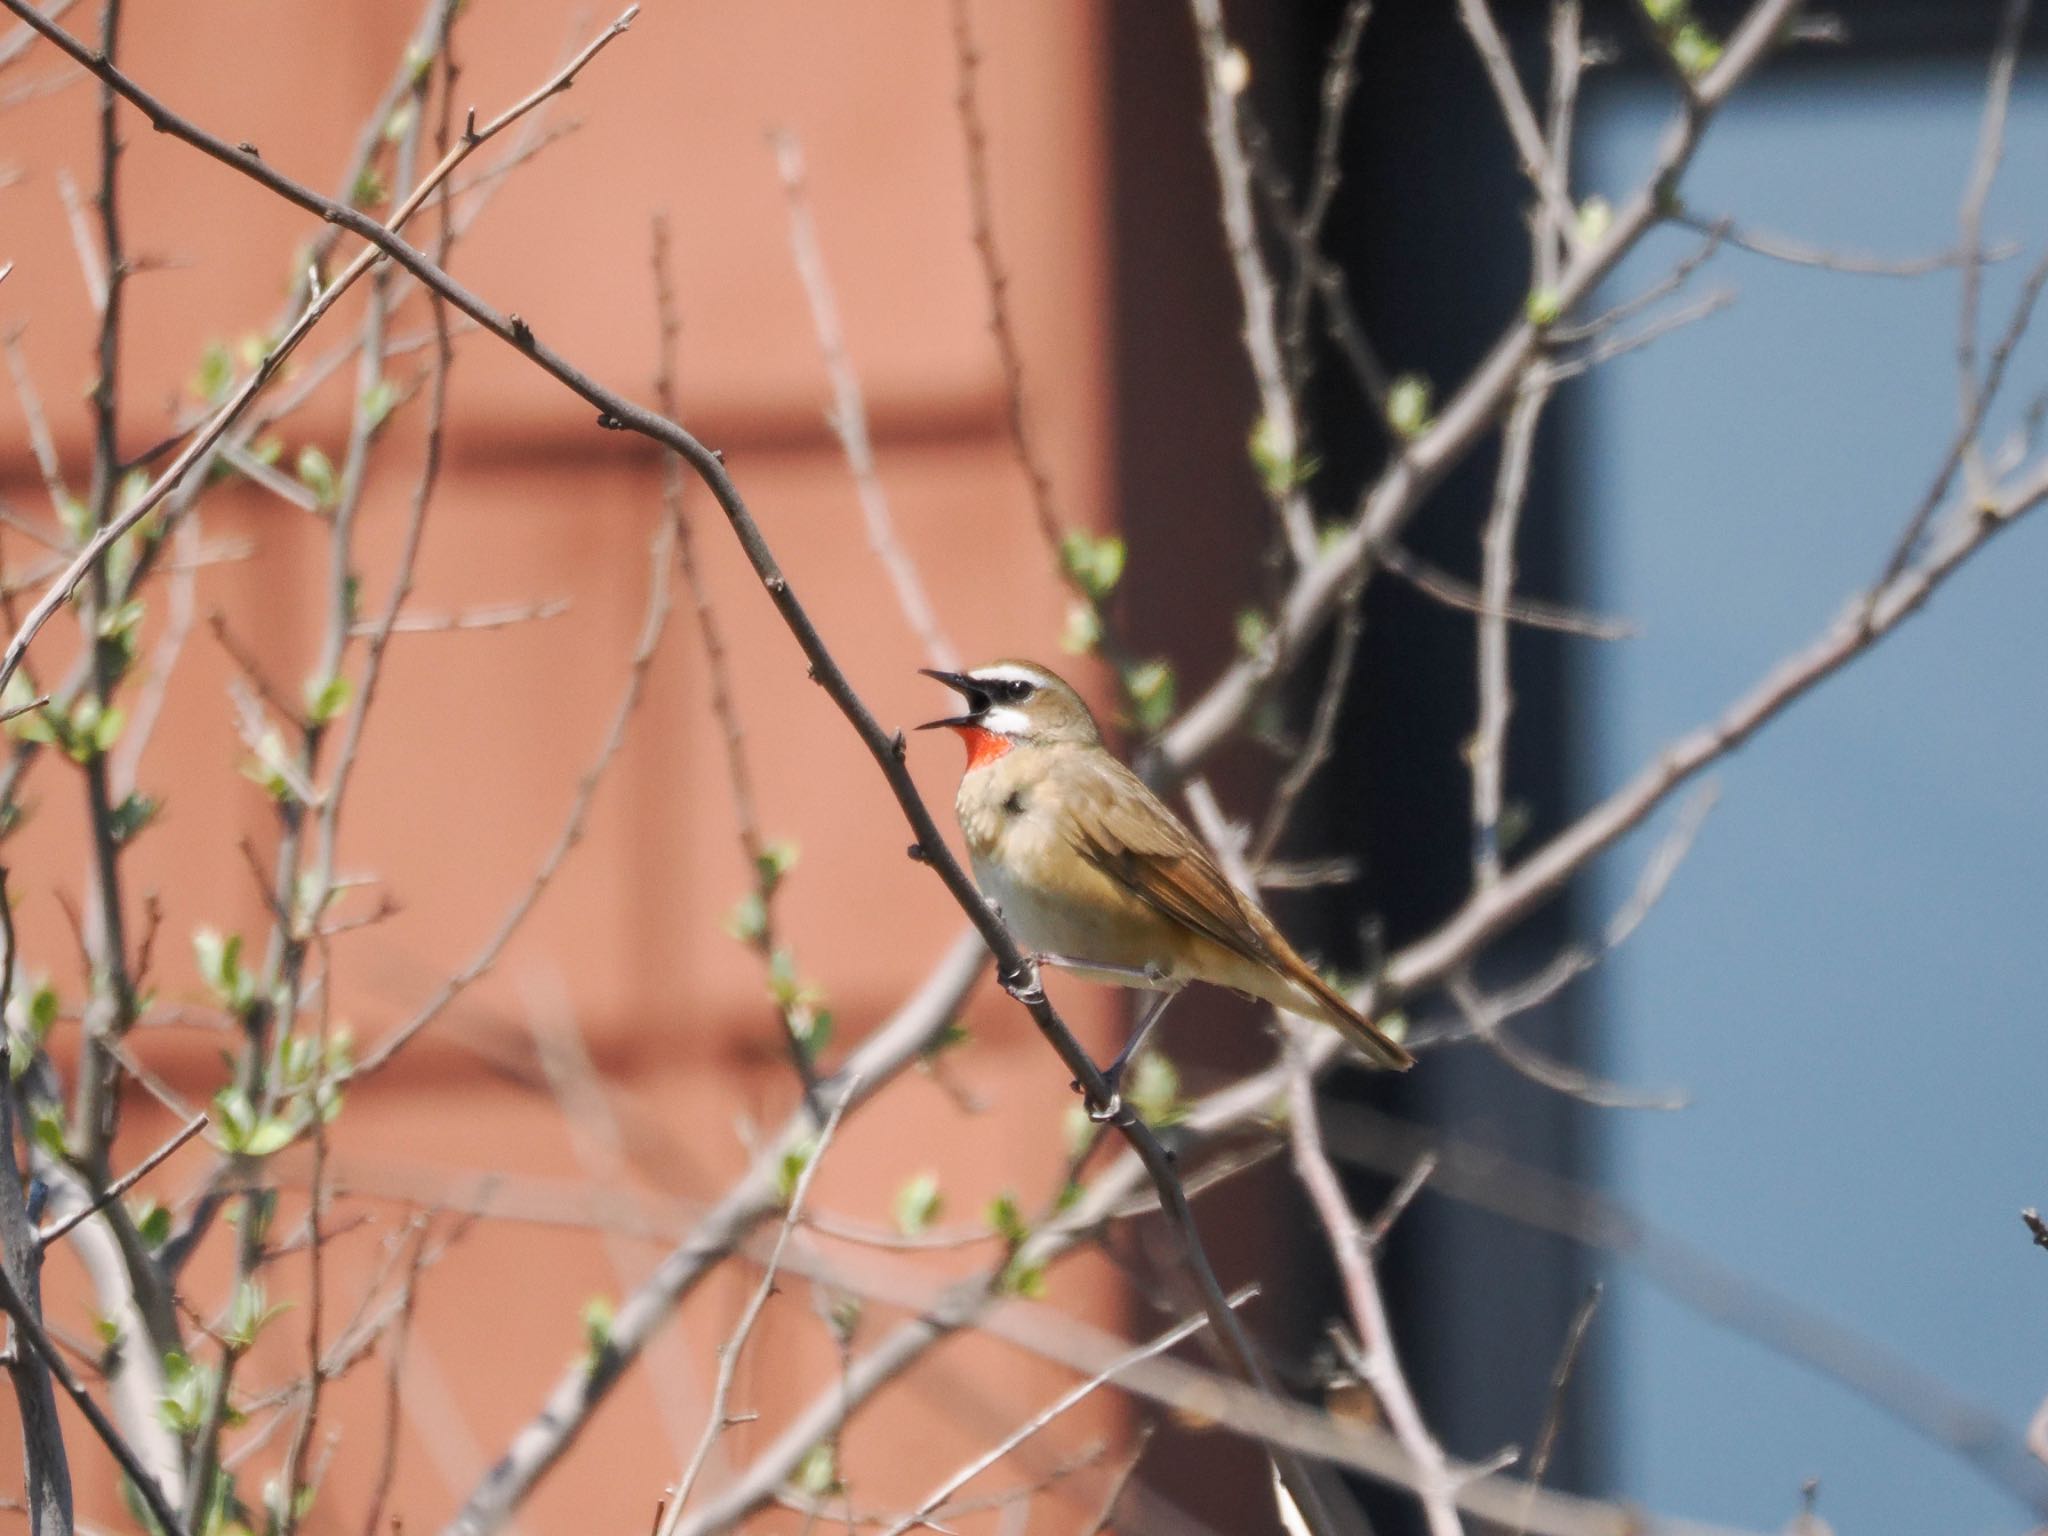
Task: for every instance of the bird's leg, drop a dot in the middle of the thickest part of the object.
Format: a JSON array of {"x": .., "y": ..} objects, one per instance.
[
  {"x": 1126, "y": 975},
  {"x": 1113, "y": 1074}
]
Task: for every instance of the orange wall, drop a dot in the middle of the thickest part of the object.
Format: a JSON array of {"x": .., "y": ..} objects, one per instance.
[{"x": 479, "y": 739}]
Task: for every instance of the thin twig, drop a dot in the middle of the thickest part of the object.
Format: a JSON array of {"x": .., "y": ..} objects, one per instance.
[
  {"x": 1496, "y": 695},
  {"x": 1386, "y": 505},
  {"x": 730, "y": 1351},
  {"x": 1546, "y": 173},
  {"x": 1433, "y": 581},
  {"x": 1970, "y": 218},
  {"x": 114, "y": 1191},
  {"x": 1187, "y": 1328},
  {"x": 1114, "y": 1496},
  {"x": 1279, "y": 427},
  {"x": 1340, "y": 79},
  {"x": 1377, "y": 1362},
  {"x": 470, "y": 620},
  {"x": 394, "y": 1375},
  {"x": 1560, "y": 1379},
  {"x": 250, "y": 163},
  {"x": 849, "y": 415},
  {"x": 1799, "y": 253}
]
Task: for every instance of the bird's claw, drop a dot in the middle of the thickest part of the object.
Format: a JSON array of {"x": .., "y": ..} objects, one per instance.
[
  {"x": 1102, "y": 1114},
  {"x": 1025, "y": 983}
]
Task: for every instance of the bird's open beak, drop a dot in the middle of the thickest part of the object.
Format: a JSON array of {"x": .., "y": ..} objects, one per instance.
[{"x": 968, "y": 689}]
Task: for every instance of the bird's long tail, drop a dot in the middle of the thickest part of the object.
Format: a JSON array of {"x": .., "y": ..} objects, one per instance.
[{"x": 1377, "y": 1046}]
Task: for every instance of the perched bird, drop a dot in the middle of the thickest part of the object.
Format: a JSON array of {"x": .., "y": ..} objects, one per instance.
[{"x": 1093, "y": 873}]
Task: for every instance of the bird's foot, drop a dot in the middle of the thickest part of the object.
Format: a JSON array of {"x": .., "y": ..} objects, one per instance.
[
  {"x": 1026, "y": 983},
  {"x": 1100, "y": 1111}
]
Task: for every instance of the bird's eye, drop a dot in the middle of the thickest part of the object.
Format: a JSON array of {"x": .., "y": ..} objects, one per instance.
[{"x": 1016, "y": 691}]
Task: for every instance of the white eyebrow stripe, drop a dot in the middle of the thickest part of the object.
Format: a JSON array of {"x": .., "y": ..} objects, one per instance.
[
  {"x": 1004, "y": 722},
  {"x": 1009, "y": 674}
]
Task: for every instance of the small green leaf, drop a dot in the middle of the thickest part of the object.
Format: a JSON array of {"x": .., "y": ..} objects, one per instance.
[
  {"x": 42, "y": 1011},
  {"x": 783, "y": 984},
  {"x": 748, "y": 919},
  {"x": 266, "y": 767},
  {"x": 1006, "y": 1220},
  {"x": 1153, "y": 1090},
  {"x": 153, "y": 1223},
  {"x": 1150, "y": 685},
  {"x": 918, "y": 1204},
  {"x": 1095, "y": 565},
  {"x": 369, "y": 189},
  {"x": 248, "y": 1314},
  {"x": 1281, "y": 471},
  {"x": 316, "y": 474},
  {"x": 106, "y": 730},
  {"x": 187, "y": 1389},
  {"x": 1596, "y": 217},
  {"x": 1408, "y": 405},
  {"x": 1082, "y": 631},
  {"x": 1543, "y": 307},
  {"x": 46, "y": 1125},
  {"x": 234, "y": 1118},
  {"x": 1694, "y": 50},
  {"x": 135, "y": 812},
  {"x": 216, "y": 372},
  {"x": 378, "y": 400},
  {"x": 1021, "y": 1279},
  {"x": 219, "y": 957},
  {"x": 796, "y": 1157},
  {"x": 121, "y": 620},
  {"x": 818, "y": 1473},
  {"x": 1254, "y": 629},
  {"x": 598, "y": 1317},
  {"x": 272, "y": 1135},
  {"x": 326, "y": 697},
  {"x": 951, "y": 1036},
  {"x": 775, "y": 861},
  {"x": 812, "y": 1028},
  {"x": 399, "y": 123}
]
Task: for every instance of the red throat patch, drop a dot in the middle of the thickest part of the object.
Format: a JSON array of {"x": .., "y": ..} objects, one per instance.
[{"x": 983, "y": 747}]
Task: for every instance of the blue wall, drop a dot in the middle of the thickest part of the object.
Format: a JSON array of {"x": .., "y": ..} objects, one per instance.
[{"x": 1850, "y": 974}]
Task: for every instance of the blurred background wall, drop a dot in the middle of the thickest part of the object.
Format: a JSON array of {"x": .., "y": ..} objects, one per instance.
[{"x": 1845, "y": 966}]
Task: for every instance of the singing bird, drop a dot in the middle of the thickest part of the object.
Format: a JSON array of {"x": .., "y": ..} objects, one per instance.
[{"x": 1093, "y": 873}]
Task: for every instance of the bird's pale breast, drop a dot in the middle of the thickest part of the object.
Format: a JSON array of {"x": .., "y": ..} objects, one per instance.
[{"x": 1054, "y": 900}]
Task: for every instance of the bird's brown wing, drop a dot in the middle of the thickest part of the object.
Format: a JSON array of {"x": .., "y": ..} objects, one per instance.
[{"x": 1125, "y": 830}]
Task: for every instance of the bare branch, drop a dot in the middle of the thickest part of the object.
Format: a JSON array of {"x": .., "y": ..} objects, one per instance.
[
  {"x": 1051, "y": 1411},
  {"x": 114, "y": 1191},
  {"x": 1546, "y": 174},
  {"x": 1377, "y": 1363},
  {"x": 1279, "y": 427},
  {"x": 1560, "y": 1378},
  {"x": 730, "y": 1351}
]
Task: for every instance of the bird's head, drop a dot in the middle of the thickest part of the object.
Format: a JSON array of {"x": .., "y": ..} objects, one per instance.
[{"x": 1010, "y": 703}]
